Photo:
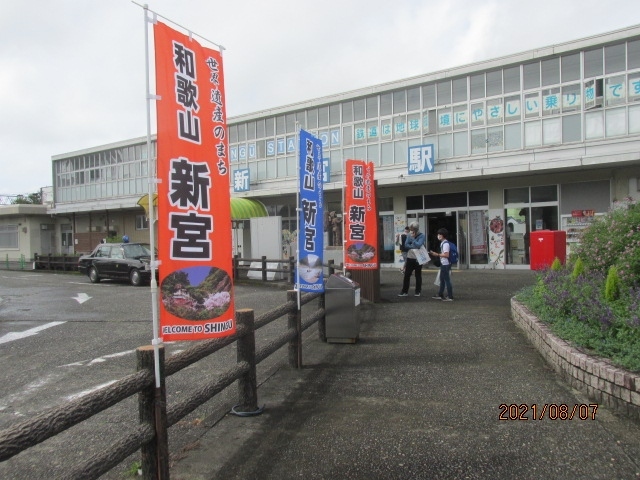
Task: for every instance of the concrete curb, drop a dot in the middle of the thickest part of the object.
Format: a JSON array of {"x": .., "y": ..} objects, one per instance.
[{"x": 598, "y": 378}]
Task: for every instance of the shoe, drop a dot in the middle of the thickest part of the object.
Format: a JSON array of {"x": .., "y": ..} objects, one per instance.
[
  {"x": 437, "y": 297},
  {"x": 403, "y": 294},
  {"x": 447, "y": 299},
  {"x": 416, "y": 294}
]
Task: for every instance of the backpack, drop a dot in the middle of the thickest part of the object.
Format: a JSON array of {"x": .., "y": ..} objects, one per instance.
[{"x": 453, "y": 253}]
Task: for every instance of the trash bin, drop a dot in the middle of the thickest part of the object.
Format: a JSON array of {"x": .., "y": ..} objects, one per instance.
[
  {"x": 341, "y": 301},
  {"x": 546, "y": 246}
]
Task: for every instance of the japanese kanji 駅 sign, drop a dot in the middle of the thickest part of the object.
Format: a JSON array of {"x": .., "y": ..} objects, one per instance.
[
  {"x": 361, "y": 223},
  {"x": 194, "y": 218},
  {"x": 311, "y": 215}
]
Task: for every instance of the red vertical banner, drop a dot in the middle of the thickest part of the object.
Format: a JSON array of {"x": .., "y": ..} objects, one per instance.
[
  {"x": 194, "y": 206},
  {"x": 361, "y": 218}
]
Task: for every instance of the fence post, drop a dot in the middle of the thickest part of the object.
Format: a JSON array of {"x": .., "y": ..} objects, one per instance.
[
  {"x": 322, "y": 324},
  {"x": 22, "y": 262},
  {"x": 264, "y": 268},
  {"x": 247, "y": 383},
  {"x": 294, "y": 320},
  {"x": 152, "y": 408},
  {"x": 292, "y": 267}
]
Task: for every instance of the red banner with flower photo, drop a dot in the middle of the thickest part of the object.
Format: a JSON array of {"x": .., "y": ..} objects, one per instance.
[
  {"x": 194, "y": 207},
  {"x": 361, "y": 217}
]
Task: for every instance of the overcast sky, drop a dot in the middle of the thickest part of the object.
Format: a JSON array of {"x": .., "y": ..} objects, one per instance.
[{"x": 72, "y": 72}]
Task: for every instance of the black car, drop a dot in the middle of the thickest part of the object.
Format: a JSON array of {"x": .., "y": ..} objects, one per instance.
[{"x": 128, "y": 261}]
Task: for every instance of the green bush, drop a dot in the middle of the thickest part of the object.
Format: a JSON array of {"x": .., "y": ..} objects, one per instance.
[{"x": 595, "y": 305}]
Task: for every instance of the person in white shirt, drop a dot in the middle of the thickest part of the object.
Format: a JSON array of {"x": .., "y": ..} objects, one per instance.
[{"x": 445, "y": 267}]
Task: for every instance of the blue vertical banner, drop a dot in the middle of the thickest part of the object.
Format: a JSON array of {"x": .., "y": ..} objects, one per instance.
[{"x": 311, "y": 215}]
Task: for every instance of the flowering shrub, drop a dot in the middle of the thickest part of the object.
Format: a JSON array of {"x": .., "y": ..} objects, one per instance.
[
  {"x": 594, "y": 302},
  {"x": 614, "y": 240}
]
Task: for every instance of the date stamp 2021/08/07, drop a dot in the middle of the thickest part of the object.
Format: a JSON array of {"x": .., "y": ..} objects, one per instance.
[{"x": 551, "y": 411}]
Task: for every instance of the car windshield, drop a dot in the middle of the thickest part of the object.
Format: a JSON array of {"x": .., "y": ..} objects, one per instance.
[{"x": 136, "y": 250}]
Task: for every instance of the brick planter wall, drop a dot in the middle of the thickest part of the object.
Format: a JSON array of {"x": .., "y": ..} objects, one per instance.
[{"x": 601, "y": 381}]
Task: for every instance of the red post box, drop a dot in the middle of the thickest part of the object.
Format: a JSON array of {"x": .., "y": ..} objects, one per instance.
[{"x": 546, "y": 246}]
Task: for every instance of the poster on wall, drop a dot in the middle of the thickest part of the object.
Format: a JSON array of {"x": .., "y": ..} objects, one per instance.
[
  {"x": 194, "y": 218},
  {"x": 478, "y": 232},
  {"x": 361, "y": 218},
  {"x": 311, "y": 215},
  {"x": 496, "y": 238},
  {"x": 399, "y": 222}
]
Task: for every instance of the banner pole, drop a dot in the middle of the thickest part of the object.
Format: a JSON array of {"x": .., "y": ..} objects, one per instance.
[
  {"x": 151, "y": 180},
  {"x": 344, "y": 217},
  {"x": 298, "y": 210}
]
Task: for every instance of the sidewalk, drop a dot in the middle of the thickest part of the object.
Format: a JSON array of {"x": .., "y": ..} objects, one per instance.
[{"x": 418, "y": 397}]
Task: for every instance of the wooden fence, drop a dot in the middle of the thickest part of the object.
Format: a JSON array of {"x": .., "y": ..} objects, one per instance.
[{"x": 150, "y": 435}]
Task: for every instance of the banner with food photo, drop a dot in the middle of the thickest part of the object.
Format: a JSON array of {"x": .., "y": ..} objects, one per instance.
[
  {"x": 311, "y": 215},
  {"x": 194, "y": 212},
  {"x": 361, "y": 218}
]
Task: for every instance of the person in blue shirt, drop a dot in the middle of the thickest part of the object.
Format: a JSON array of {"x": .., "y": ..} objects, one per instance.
[
  {"x": 414, "y": 241},
  {"x": 445, "y": 267}
]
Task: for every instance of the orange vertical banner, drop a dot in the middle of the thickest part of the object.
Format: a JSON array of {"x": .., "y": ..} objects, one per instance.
[
  {"x": 361, "y": 219},
  {"x": 194, "y": 206}
]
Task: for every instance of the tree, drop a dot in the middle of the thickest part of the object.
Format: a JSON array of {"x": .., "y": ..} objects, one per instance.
[{"x": 30, "y": 199}]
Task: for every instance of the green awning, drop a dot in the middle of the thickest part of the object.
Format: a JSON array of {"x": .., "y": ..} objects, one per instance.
[
  {"x": 241, "y": 208},
  {"x": 244, "y": 208}
]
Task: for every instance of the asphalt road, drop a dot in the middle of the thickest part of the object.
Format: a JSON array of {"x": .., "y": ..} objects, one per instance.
[{"x": 62, "y": 337}]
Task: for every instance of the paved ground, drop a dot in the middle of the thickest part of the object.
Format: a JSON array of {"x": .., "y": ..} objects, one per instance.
[{"x": 418, "y": 397}]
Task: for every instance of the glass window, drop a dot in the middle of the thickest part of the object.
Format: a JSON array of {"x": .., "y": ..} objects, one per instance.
[
  {"x": 478, "y": 114},
  {"x": 280, "y": 127},
  {"x": 494, "y": 83},
  {"x": 386, "y": 104},
  {"x": 532, "y": 106},
  {"x": 495, "y": 137},
  {"x": 359, "y": 109},
  {"x": 312, "y": 118},
  {"x": 593, "y": 63},
  {"x": 301, "y": 118},
  {"x": 373, "y": 154},
  {"x": 476, "y": 83},
  {"x": 551, "y": 131},
  {"x": 495, "y": 111},
  {"x": 400, "y": 152},
  {"x": 479, "y": 198},
  {"x": 551, "y": 101},
  {"x": 615, "y": 122},
  {"x": 546, "y": 193},
  {"x": 512, "y": 108},
  {"x": 571, "y": 128},
  {"x": 570, "y": 67},
  {"x": 400, "y": 126},
  {"x": 323, "y": 116},
  {"x": 386, "y": 153},
  {"x": 429, "y": 122},
  {"x": 372, "y": 107},
  {"x": 634, "y": 119},
  {"x": 516, "y": 195},
  {"x": 413, "y": 99},
  {"x": 511, "y": 79},
  {"x": 531, "y": 75},
  {"x": 334, "y": 114},
  {"x": 445, "y": 146},
  {"x": 512, "y": 136},
  {"x": 460, "y": 117},
  {"x": 233, "y": 134},
  {"x": 460, "y": 144},
  {"x": 415, "y": 202},
  {"x": 478, "y": 141},
  {"x": 400, "y": 101},
  {"x": 347, "y": 135},
  {"x": 532, "y": 134},
  {"x": 347, "y": 112},
  {"x": 260, "y": 128},
  {"x": 614, "y": 58},
  {"x": 251, "y": 130},
  {"x": 460, "y": 90},
  {"x": 633, "y": 54},
  {"x": 615, "y": 90},
  {"x": 571, "y": 98},
  {"x": 594, "y": 125},
  {"x": 429, "y": 96},
  {"x": 445, "y": 120},
  {"x": 550, "y": 71},
  {"x": 444, "y": 92}
]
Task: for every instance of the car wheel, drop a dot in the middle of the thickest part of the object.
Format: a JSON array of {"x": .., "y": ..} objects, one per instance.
[
  {"x": 135, "y": 278},
  {"x": 93, "y": 275}
]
